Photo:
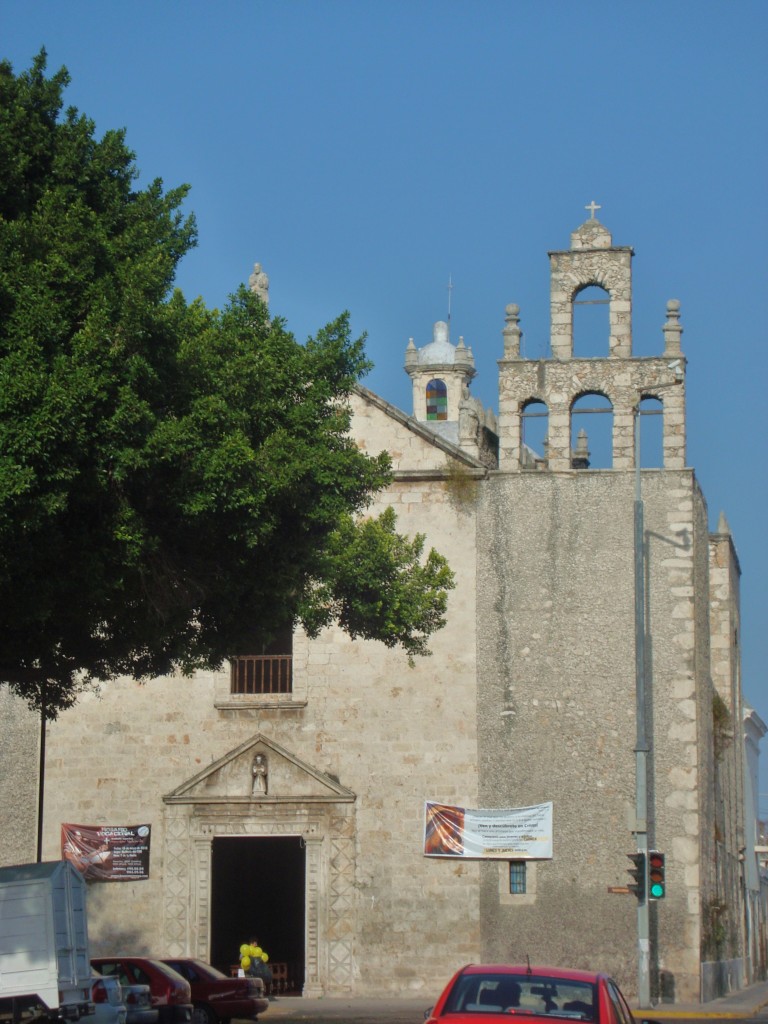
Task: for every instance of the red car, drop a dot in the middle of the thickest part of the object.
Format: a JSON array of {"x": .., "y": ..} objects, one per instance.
[
  {"x": 170, "y": 993},
  {"x": 217, "y": 998},
  {"x": 493, "y": 992}
]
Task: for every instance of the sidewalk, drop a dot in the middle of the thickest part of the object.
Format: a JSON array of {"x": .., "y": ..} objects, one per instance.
[{"x": 742, "y": 1004}]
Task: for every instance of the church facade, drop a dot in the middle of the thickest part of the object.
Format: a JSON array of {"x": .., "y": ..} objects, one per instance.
[{"x": 285, "y": 794}]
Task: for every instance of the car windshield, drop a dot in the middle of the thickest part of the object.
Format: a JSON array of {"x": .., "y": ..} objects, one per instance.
[{"x": 531, "y": 994}]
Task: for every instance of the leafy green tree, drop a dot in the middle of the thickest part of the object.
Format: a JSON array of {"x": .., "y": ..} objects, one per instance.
[{"x": 173, "y": 479}]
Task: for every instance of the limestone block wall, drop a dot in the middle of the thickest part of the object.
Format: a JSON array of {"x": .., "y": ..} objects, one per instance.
[
  {"x": 19, "y": 761},
  {"x": 399, "y": 736},
  {"x": 110, "y": 759},
  {"x": 728, "y": 746},
  {"x": 393, "y": 735},
  {"x": 682, "y": 787},
  {"x": 556, "y": 709},
  {"x": 724, "y": 576}
]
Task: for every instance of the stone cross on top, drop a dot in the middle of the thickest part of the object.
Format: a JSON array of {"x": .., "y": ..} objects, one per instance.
[{"x": 592, "y": 207}]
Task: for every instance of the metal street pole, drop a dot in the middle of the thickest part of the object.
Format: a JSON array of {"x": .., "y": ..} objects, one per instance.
[
  {"x": 41, "y": 774},
  {"x": 642, "y": 749},
  {"x": 641, "y": 741}
]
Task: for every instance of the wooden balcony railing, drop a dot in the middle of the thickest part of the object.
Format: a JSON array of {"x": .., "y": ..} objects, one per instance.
[{"x": 262, "y": 673}]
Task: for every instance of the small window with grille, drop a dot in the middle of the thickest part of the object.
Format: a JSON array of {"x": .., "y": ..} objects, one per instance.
[{"x": 517, "y": 877}]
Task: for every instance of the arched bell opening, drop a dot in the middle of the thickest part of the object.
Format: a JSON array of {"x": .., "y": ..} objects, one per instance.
[
  {"x": 591, "y": 323},
  {"x": 592, "y": 431}
]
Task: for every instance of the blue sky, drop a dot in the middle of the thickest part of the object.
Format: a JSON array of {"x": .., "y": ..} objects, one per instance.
[{"x": 363, "y": 152}]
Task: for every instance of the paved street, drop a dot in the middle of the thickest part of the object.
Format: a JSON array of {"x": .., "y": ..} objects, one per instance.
[{"x": 748, "y": 1005}]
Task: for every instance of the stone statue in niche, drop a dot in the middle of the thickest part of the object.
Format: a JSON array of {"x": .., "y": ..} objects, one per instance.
[
  {"x": 259, "y": 772},
  {"x": 469, "y": 416},
  {"x": 258, "y": 282}
]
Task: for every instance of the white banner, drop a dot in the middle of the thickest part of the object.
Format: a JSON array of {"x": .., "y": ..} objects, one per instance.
[{"x": 517, "y": 833}]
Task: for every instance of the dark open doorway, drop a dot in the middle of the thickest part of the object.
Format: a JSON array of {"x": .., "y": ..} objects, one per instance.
[{"x": 257, "y": 891}]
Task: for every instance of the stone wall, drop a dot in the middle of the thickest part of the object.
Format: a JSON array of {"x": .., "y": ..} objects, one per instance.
[
  {"x": 393, "y": 735},
  {"x": 19, "y": 761},
  {"x": 556, "y": 708},
  {"x": 724, "y": 921}
]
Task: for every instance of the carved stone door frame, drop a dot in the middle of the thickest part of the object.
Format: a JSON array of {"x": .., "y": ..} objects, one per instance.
[{"x": 324, "y": 818}]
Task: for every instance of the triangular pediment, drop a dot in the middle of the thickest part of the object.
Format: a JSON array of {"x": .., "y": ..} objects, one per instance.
[
  {"x": 279, "y": 776},
  {"x": 411, "y": 445}
]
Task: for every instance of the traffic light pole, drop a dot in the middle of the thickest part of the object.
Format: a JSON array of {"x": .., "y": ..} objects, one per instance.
[{"x": 641, "y": 743}]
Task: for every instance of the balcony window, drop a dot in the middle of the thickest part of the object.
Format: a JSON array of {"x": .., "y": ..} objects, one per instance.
[{"x": 267, "y": 670}]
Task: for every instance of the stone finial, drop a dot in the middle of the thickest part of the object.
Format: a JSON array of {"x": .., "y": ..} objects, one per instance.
[
  {"x": 580, "y": 455},
  {"x": 512, "y": 334},
  {"x": 591, "y": 235},
  {"x": 258, "y": 282},
  {"x": 440, "y": 332},
  {"x": 464, "y": 356},
  {"x": 723, "y": 525},
  {"x": 673, "y": 329},
  {"x": 411, "y": 353}
]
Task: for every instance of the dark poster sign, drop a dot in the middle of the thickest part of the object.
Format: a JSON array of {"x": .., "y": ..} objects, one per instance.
[{"x": 107, "y": 853}]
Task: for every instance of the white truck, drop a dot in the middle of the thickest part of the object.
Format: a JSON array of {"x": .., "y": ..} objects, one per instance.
[{"x": 45, "y": 969}]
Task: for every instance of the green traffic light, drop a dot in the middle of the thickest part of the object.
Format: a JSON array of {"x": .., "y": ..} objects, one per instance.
[{"x": 657, "y": 889}]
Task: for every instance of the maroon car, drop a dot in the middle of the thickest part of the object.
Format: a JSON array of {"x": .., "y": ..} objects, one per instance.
[
  {"x": 170, "y": 993},
  {"x": 215, "y": 997}
]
